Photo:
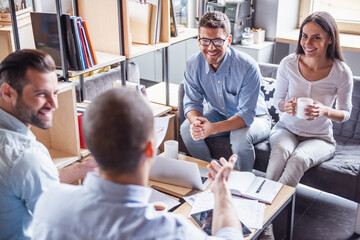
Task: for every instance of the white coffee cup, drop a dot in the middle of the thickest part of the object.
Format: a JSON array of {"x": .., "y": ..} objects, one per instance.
[
  {"x": 301, "y": 105},
  {"x": 171, "y": 149},
  {"x": 160, "y": 206}
]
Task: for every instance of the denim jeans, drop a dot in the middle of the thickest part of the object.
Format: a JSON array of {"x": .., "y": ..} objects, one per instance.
[
  {"x": 291, "y": 155},
  {"x": 242, "y": 140}
]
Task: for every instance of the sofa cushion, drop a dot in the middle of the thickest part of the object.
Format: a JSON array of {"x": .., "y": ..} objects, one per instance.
[{"x": 268, "y": 88}]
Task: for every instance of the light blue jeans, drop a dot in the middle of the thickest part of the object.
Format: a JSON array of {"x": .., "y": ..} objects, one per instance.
[
  {"x": 291, "y": 154},
  {"x": 242, "y": 140}
]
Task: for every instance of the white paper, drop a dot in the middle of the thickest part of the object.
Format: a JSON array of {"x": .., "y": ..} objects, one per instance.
[
  {"x": 157, "y": 196},
  {"x": 250, "y": 212},
  {"x": 161, "y": 125},
  {"x": 203, "y": 201}
]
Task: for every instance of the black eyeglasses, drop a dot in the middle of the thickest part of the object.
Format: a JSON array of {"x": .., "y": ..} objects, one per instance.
[{"x": 218, "y": 42}]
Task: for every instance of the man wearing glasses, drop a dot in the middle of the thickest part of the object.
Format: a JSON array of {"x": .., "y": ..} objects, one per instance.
[{"x": 229, "y": 81}]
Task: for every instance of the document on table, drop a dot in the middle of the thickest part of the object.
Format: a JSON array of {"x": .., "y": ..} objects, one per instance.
[
  {"x": 250, "y": 212},
  {"x": 161, "y": 125}
]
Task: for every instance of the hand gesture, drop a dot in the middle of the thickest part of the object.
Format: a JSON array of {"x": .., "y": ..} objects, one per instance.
[
  {"x": 206, "y": 126},
  {"x": 220, "y": 175},
  {"x": 214, "y": 167}
]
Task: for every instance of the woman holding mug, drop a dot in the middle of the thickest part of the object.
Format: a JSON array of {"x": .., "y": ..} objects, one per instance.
[{"x": 317, "y": 71}]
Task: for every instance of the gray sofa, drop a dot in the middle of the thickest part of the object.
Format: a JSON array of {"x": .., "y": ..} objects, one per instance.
[{"x": 339, "y": 175}]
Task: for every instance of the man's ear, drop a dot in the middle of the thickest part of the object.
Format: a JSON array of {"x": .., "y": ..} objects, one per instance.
[
  {"x": 7, "y": 92},
  {"x": 229, "y": 39},
  {"x": 149, "y": 150}
]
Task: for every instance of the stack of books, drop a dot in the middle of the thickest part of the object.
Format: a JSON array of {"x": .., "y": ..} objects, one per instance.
[{"x": 78, "y": 47}]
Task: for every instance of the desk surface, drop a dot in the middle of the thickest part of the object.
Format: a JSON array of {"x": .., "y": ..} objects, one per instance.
[
  {"x": 348, "y": 42},
  {"x": 156, "y": 94},
  {"x": 284, "y": 195}
]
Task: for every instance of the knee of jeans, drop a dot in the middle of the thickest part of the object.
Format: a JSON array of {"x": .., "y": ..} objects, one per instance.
[
  {"x": 185, "y": 129},
  {"x": 301, "y": 160},
  {"x": 241, "y": 140}
]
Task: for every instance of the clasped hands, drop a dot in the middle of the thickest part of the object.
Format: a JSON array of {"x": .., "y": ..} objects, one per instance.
[
  {"x": 315, "y": 110},
  {"x": 201, "y": 128}
]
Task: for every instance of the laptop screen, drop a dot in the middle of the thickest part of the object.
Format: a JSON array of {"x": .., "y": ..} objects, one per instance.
[{"x": 46, "y": 34}]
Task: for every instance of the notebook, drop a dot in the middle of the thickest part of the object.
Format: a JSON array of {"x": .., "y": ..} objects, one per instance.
[
  {"x": 179, "y": 172},
  {"x": 246, "y": 184}
]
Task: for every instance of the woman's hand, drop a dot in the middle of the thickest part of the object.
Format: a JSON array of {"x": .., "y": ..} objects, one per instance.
[
  {"x": 290, "y": 106},
  {"x": 316, "y": 110}
]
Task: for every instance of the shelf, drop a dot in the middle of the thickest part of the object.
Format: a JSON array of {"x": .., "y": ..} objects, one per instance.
[
  {"x": 159, "y": 110},
  {"x": 104, "y": 60},
  {"x": 348, "y": 42},
  {"x": 141, "y": 49},
  {"x": 184, "y": 34},
  {"x": 62, "y": 159},
  {"x": 84, "y": 152}
]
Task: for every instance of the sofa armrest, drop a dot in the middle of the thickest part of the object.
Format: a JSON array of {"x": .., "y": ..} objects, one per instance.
[
  {"x": 268, "y": 70},
  {"x": 181, "y": 116}
]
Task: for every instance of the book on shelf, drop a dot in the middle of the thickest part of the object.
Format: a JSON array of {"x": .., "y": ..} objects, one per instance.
[
  {"x": 86, "y": 58},
  {"x": 158, "y": 22},
  {"x": 79, "y": 44},
  {"x": 246, "y": 184},
  {"x": 69, "y": 41},
  {"x": 152, "y": 32},
  {"x": 90, "y": 44},
  {"x": 173, "y": 27},
  {"x": 86, "y": 43}
]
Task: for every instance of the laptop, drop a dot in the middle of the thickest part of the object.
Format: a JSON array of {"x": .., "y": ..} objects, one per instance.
[{"x": 179, "y": 172}]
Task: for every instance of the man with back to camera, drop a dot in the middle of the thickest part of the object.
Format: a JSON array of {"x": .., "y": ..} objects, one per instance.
[
  {"x": 29, "y": 88},
  {"x": 230, "y": 82},
  {"x": 113, "y": 203}
]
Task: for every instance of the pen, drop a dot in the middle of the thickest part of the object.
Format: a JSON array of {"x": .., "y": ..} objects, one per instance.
[{"x": 259, "y": 189}]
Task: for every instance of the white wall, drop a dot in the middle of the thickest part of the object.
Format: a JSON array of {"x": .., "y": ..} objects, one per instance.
[{"x": 49, "y": 6}]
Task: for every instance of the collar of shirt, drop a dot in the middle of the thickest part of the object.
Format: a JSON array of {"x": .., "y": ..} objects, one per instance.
[
  {"x": 224, "y": 66},
  {"x": 124, "y": 193},
  {"x": 9, "y": 122}
]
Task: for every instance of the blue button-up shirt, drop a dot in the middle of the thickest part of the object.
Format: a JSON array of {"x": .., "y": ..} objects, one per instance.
[
  {"x": 234, "y": 89},
  {"x": 101, "y": 209},
  {"x": 26, "y": 171}
]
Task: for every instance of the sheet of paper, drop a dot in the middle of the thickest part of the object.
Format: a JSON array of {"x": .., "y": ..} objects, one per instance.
[
  {"x": 203, "y": 201},
  {"x": 157, "y": 196},
  {"x": 161, "y": 125},
  {"x": 250, "y": 212}
]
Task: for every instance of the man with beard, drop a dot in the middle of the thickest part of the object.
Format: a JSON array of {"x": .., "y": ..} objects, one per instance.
[
  {"x": 29, "y": 88},
  {"x": 229, "y": 81}
]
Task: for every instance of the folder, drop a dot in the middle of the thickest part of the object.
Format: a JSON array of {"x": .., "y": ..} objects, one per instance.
[{"x": 140, "y": 19}]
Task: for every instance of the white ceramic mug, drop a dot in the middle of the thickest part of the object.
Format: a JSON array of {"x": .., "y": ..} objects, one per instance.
[
  {"x": 171, "y": 149},
  {"x": 301, "y": 105}
]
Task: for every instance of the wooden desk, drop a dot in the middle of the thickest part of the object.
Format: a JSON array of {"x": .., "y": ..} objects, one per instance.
[
  {"x": 285, "y": 199},
  {"x": 156, "y": 94}
]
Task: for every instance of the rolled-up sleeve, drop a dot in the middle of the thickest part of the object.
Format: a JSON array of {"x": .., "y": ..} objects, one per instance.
[
  {"x": 249, "y": 95},
  {"x": 194, "y": 95}
]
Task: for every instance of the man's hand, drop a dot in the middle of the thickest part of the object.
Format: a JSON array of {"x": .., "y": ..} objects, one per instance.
[
  {"x": 196, "y": 131},
  {"x": 214, "y": 167},
  {"x": 221, "y": 176},
  {"x": 207, "y": 127}
]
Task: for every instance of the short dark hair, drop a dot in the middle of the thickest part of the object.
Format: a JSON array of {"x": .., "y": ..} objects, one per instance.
[
  {"x": 328, "y": 24},
  {"x": 116, "y": 126},
  {"x": 13, "y": 68},
  {"x": 215, "y": 19}
]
